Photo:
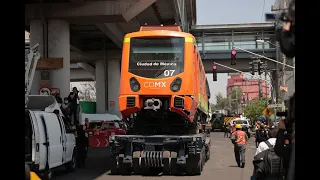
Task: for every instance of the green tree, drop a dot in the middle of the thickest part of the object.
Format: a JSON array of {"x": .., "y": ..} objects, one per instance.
[
  {"x": 254, "y": 109},
  {"x": 222, "y": 103},
  {"x": 235, "y": 98},
  {"x": 213, "y": 107},
  {"x": 236, "y": 95}
]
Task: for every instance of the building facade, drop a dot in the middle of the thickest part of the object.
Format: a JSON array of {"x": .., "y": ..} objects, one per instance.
[{"x": 249, "y": 87}]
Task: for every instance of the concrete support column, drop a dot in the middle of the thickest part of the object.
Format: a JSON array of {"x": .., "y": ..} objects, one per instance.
[
  {"x": 101, "y": 87},
  {"x": 36, "y": 36},
  {"x": 113, "y": 86},
  {"x": 59, "y": 47}
]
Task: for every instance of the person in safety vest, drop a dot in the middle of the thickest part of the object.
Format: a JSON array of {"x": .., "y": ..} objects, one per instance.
[{"x": 239, "y": 138}]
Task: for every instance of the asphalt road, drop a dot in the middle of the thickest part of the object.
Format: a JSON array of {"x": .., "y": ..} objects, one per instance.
[{"x": 221, "y": 166}]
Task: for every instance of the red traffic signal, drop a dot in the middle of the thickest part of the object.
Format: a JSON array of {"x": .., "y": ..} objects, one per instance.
[
  {"x": 233, "y": 57},
  {"x": 214, "y": 73}
]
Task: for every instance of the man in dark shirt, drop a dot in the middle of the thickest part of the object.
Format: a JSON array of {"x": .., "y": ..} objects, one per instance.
[{"x": 73, "y": 97}]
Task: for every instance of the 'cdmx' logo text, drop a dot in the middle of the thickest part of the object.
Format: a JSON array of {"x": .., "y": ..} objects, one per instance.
[{"x": 154, "y": 84}]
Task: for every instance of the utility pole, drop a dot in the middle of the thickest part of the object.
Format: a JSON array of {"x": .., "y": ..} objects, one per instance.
[
  {"x": 265, "y": 77},
  {"x": 259, "y": 85},
  {"x": 237, "y": 100},
  {"x": 283, "y": 69}
]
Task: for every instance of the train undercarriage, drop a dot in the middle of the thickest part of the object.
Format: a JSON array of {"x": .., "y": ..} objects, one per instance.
[
  {"x": 161, "y": 141},
  {"x": 171, "y": 155}
]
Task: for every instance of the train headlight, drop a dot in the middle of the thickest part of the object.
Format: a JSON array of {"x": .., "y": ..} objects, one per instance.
[
  {"x": 134, "y": 84},
  {"x": 176, "y": 84}
]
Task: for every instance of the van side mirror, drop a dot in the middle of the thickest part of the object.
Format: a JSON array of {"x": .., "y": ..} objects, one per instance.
[{"x": 56, "y": 111}]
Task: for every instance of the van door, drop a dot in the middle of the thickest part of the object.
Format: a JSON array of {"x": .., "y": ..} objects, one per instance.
[
  {"x": 64, "y": 139},
  {"x": 55, "y": 139},
  {"x": 40, "y": 135},
  {"x": 35, "y": 138}
]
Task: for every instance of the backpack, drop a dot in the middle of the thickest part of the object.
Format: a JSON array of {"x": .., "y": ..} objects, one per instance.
[{"x": 267, "y": 164}]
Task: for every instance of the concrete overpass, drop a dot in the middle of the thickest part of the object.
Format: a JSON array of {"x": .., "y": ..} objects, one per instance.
[
  {"x": 88, "y": 36},
  {"x": 215, "y": 43}
]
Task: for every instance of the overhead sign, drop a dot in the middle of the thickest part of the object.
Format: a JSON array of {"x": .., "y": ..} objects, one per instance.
[
  {"x": 50, "y": 63},
  {"x": 267, "y": 112},
  {"x": 44, "y": 91}
]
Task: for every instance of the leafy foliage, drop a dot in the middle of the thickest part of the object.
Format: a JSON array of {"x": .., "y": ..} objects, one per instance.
[
  {"x": 88, "y": 92},
  {"x": 254, "y": 109},
  {"x": 222, "y": 103}
]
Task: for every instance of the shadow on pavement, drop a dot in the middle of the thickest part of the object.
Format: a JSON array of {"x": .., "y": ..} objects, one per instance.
[{"x": 96, "y": 165}]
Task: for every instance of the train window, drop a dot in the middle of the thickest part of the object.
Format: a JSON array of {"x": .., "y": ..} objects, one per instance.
[{"x": 156, "y": 57}]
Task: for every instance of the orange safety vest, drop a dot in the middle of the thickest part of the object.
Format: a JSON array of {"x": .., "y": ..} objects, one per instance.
[{"x": 240, "y": 137}]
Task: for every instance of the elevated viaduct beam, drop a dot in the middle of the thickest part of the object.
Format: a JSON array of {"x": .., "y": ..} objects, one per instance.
[{"x": 90, "y": 11}]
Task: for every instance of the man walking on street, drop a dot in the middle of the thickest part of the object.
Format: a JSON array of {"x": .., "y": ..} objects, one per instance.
[
  {"x": 239, "y": 138},
  {"x": 226, "y": 130}
]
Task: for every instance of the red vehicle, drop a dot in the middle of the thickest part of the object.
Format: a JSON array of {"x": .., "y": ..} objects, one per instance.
[{"x": 100, "y": 132}]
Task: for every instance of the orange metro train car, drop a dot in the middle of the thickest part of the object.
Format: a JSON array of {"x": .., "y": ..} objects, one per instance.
[{"x": 163, "y": 85}]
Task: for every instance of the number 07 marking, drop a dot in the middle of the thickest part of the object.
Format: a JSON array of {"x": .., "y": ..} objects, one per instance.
[{"x": 168, "y": 72}]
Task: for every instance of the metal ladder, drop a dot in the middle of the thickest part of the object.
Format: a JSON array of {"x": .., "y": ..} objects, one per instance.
[{"x": 33, "y": 58}]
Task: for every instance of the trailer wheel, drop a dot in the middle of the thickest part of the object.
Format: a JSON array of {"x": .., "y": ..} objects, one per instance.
[
  {"x": 198, "y": 164},
  {"x": 173, "y": 163},
  {"x": 135, "y": 162},
  {"x": 124, "y": 168},
  {"x": 208, "y": 154},
  {"x": 190, "y": 165},
  {"x": 203, "y": 158},
  {"x": 114, "y": 165},
  {"x": 166, "y": 162},
  {"x": 144, "y": 168}
]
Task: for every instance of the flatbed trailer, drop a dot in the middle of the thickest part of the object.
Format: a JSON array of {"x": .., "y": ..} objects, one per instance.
[{"x": 171, "y": 154}]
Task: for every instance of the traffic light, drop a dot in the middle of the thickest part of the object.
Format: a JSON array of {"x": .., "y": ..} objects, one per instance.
[
  {"x": 233, "y": 57},
  {"x": 251, "y": 68},
  {"x": 214, "y": 73},
  {"x": 259, "y": 68}
]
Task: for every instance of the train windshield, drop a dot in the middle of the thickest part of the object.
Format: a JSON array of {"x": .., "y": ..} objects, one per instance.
[{"x": 156, "y": 57}]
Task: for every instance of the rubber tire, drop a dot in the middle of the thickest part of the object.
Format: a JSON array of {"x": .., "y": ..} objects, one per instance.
[
  {"x": 189, "y": 165},
  {"x": 114, "y": 165},
  {"x": 135, "y": 162},
  {"x": 144, "y": 169},
  {"x": 27, "y": 172},
  {"x": 198, "y": 164},
  {"x": 47, "y": 174},
  {"x": 173, "y": 163},
  {"x": 72, "y": 165},
  {"x": 166, "y": 162},
  {"x": 124, "y": 168}
]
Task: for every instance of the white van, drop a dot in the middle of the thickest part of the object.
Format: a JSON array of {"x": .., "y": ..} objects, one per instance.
[{"x": 49, "y": 141}]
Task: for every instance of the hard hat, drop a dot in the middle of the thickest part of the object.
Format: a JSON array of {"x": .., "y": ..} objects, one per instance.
[{"x": 238, "y": 126}]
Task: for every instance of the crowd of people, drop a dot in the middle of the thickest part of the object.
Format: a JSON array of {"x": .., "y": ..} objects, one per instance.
[
  {"x": 272, "y": 156},
  {"x": 69, "y": 106}
]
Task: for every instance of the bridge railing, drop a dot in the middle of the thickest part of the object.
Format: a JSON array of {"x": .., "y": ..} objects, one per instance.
[{"x": 216, "y": 46}]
